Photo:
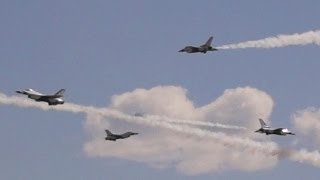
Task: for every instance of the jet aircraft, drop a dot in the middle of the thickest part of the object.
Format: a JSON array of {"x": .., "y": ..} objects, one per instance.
[
  {"x": 137, "y": 114},
  {"x": 203, "y": 48},
  {"x": 267, "y": 129},
  {"x": 114, "y": 137},
  {"x": 50, "y": 99}
]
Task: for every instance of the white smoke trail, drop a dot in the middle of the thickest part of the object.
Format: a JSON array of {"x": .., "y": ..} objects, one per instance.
[
  {"x": 310, "y": 37},
  {"x": 268, "y": 148},
  {"x": 23, "y": 102},
  {"x": 196, "y": 123},
  {"x": 304, "y": 156},
  {"x": 152, "y": 121},
  {"x": 241, "y": 143},
  {"x": 74, "y": 108}
]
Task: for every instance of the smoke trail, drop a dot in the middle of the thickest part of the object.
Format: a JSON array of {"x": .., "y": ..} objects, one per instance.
[
  {"x": 74, "y": 108},
  {"x": 310, "y": 37},
  {"x": 23, "y": 102},
  {"x": 196, "y": 123},
  {"x": 268, "y": 148},
  {"x": 301, "y": 156},
  {"x": 222, "y": 138},
  {"x": 304, "y": 156},
  {"x": 154, "y": 121}
]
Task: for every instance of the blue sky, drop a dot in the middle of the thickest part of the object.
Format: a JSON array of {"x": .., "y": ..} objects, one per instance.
[{"x": 97, "y": 49}]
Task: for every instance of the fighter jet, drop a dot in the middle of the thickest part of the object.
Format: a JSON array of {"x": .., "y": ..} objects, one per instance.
[
  {"x": 203, "y": 48},
  {"x": 50, "y": 99},
  {"x": 114, "y": 137},
  {"x": 267, "y": 129},
  {"x": 137, "y": 114}
]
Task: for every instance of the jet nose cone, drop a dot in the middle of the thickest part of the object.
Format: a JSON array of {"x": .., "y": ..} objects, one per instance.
[{"x": 182, "y": 50}]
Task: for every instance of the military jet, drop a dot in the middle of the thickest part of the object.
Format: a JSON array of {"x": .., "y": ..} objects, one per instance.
[
  {"x": 267, "y": 129},
  {"x": 137, "y": 114},
  {"x": 50, "y": 99},
  {"x": 203, "y": 48},
  {"x": 114, "y": 137}
]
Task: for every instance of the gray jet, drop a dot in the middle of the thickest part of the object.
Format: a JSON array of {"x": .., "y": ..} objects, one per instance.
[
  {"x": 137, "y": 114},
  {"x": 114, "y": 137},
  {"x": 54, "y": 99},
  {"x": 267, "y": 129},
  {"x": 203, "y": 48}
]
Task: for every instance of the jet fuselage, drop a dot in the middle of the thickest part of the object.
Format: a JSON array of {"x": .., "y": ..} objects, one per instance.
[
  {"x": 267, "y": 130},
  {"x": 50, "y": 99},
  {"x": 192, "y": 49},
  {"x": 278, "y": 131},
  {"x": 114, "y": 137},
  {"x": 202, "y": 49}
]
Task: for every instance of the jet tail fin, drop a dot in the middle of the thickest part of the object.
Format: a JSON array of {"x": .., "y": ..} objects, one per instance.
[
  {"x": 108, "y": 132},
  {"x": 263, "y": 124},
  {"x": 60, "y": 93},
  {"x": 208, "y": 43}
]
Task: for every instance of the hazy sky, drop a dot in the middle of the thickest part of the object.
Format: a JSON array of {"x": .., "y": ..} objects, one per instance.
[{"x": 102, "y": 51}]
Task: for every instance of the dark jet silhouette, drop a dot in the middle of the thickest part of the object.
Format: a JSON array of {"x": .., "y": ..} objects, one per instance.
[
  {"x": 54, "y": 99},
  {"x": 266, "y": 129},
  {"x": 137, "y": 114},
  {"x": 202, "y": 49},
  {"x": 114, "y": 137}
]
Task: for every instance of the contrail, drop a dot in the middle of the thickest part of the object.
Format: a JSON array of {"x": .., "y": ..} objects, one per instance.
[
  {"x": 310, "y": 37},
  {"x": 74, "y": 108},
  {"x": 196, "y": 122},
  {"x": 268, "y": 148},
  {"x": 301, "y": 156},
  {"x": 105, "y": 112},
  {"x": 27, "y": 103}
]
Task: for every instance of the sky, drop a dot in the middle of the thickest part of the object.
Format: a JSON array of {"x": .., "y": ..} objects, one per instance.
[{"x": 123, "y": 56}]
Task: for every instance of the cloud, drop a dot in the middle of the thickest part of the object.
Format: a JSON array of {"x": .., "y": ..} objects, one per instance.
[
  {"x": 161, "y": 100},
  {"x": 190, "y": 153},
  {"x": 307, "y": 122},
  {"x": 240, "y": 106},
  {"x": 171, "y": 139}
]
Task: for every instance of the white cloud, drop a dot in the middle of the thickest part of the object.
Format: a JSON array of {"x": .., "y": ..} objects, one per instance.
[
  {"x": 171, "y": 142},
  {"x": 240, "y": 106},
  {"x": 307, "y": 122},
  {"x": 161, "y": 100},
  {"x": 190, "y": 154}
]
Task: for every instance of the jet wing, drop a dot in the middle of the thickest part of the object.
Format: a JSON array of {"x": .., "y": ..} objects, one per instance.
[{"x": 33, "y": 94}]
